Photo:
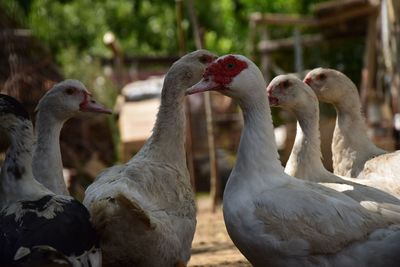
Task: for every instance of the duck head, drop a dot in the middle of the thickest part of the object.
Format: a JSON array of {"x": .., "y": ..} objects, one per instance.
[
  {"x": 68, "y": 98},
  {"x": 330, "y": 86},
  {"x": 188, "y": 69},
  {"x": 232, "y": 75},
  {"x": 288, "y": 91}
]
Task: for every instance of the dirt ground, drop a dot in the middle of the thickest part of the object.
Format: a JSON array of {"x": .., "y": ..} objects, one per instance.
[{"x": 212, "y": 246}]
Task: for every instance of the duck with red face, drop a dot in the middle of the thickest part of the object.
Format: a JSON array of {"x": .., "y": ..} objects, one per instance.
[{"x": 276, "y": 219}]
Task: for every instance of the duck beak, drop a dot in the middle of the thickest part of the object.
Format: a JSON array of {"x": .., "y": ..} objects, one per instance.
[
  {"x": 90, "y": 105},
  {"x": 307, "y": 80},
  {"x": 205, "y": 84},
  {"x": 273, "y": 101}
]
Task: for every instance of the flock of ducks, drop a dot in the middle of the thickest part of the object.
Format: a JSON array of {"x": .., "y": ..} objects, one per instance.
[{"x": 142, "y": 213}]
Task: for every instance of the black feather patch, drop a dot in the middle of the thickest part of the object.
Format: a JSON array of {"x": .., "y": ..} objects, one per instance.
[
  {"x": 69, "y": 232},
  {"x": 9, "y": 104}
]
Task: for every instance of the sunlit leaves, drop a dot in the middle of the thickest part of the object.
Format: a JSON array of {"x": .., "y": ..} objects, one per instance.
[{"x": 147, "y": 26}]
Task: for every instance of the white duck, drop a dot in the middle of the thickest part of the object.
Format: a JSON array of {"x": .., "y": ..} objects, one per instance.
[
  {"x": 65, "y": 100},
  {"x": 275, "y": 219},
  {"x": 305, "y": 162},
  {"x": 144, "y": 209},
  {"x": 353, "y": 154},
  {"x": 31, "y": 216}
]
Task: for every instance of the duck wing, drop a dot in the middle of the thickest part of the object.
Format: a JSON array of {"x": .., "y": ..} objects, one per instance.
[{"x": 311, "y": 219}]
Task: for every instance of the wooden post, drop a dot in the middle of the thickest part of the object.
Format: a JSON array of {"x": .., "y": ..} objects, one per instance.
[
  {"x": 394, "y": 20},
  {"x": 252, "y": 42},
  {"x": 181, "y": 33},
  {"x": 265, "y": 57},
  {"x": 196, "y": 29},
  {"x": 214, "y": 179},
  {"x": 391, "y": 44},
  {"x": 298, "y": 51},
  {"x": 369, "y": 69},
  {"x": 112, "y": 43},
  {"x": 215, "y": 184},
  {"x": 189, "y": 139},
  {"x": 189, "y": 144}
]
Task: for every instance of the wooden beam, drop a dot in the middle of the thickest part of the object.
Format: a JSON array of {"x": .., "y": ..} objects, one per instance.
[
  {"x": 347, "y": 15},
  {"x": 337, "y": 5},
  {"x": 282, "y": 19},
  {"x": 143, "y": 60},
  {"x": 7, "y": 34},
  {"x": 268, "y": 46}
]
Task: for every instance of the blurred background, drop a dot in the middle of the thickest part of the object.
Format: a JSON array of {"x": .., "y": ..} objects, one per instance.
[{"x": 121, "y": 49}]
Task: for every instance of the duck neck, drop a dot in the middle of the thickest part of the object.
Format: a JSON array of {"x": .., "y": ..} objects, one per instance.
[
  {"x": 306, "y": 152},
  {"x": 350, "y": 130},
  {"x": 350, "y": 144},
  {"x": 17, "y": 180},
  {"x": 47, "y": 161},
  {"x": 167, "y": 142},
  {"x": 257, "y": 152},
  {"x": 349, "y": 113}
]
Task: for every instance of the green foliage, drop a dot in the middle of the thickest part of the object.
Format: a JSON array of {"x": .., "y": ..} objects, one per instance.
[
  {"x": 12, "y": 14},
  {"x": 143, "y": 27},
  {"x": 146, "y": 26}
]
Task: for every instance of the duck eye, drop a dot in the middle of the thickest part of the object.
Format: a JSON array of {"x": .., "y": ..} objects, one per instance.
[
  {"x": 321, "y": 76},
  {"x": 205, "y": 59},
  {"x": 230, "y": 66},
  {"x": 70, "y": 91},
  {"x": 285, "y": 84}
]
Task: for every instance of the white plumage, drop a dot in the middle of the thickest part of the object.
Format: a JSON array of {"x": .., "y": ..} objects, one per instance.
[
  {"x": 144, "y": 209},
  {"x": 278, "y": 220}
]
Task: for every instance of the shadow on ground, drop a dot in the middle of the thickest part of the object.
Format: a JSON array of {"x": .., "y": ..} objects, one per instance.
[{"x": 212, "y": 246}]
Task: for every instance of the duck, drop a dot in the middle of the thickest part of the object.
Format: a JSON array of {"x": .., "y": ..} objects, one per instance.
[
  {"x": 33, "y": 218},
  {"x": 144, "y": 209},
  {"x": 63, "y": 101},
  {"x": 290, "y": 93},
  {"x": 353, "y": 153},
  {"x": 278, "y": 220}
]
